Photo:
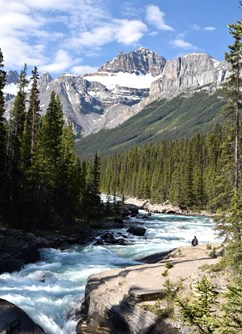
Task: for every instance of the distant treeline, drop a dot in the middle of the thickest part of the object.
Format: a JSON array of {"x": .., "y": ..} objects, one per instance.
[{"x": 196, "y": 173}]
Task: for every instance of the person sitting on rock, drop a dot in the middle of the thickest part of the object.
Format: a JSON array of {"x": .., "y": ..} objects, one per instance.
[{"x": 194, "y": 241}]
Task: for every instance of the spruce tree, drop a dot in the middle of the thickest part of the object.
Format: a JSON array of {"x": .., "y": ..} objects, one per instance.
[
  {"x": 46, "y": 159},
  {"x": 233, "y": 107},
  {"x": 233, "y": 91},
  {"x": 69, "y": 179},
  {"x": 31, "y": 122},
  {"x": 3, "y": 134},
  {"x": 199, "y": 312},
  {"x": 232, "y": 320},
  {"x": 15, "y": 137}
]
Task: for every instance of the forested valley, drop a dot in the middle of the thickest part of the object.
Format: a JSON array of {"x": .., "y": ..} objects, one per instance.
[{"x": 194, "y": 174}]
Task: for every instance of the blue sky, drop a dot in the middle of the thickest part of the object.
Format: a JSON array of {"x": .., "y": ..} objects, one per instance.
[{"x": 78, "y": 36}]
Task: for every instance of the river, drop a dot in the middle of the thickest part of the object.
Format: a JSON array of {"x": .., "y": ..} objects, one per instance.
[{"x": 51, "y": 289}]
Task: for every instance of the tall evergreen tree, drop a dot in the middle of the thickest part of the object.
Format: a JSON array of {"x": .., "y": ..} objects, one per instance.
[
  {"x": 69, "y": 179},
  {"x": 234, "y": 106},
  {"x": 46, "y": 159},
  {"x": 233, "y": 91},
  {"x": 16, "y": 129},
  {"x": 31, "y": 122},
  {"x": 3, "y": 134}
]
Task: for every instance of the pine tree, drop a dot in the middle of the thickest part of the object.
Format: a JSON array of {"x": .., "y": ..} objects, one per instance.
[
  {"x": 199, "y": 313},
  {"x": 15, "y": 137},
  {"x": 69, "y": 180},
  {"x": 92, "y": 192},
  {"x": 46, "y": 159},
  {"x": 233, "y": 91},
  {"x": 3, "y": 134},
  {"x": 232, "y": 310},
  {"x": 31, "y": 122},
  {"x": 234, "y": 106}
]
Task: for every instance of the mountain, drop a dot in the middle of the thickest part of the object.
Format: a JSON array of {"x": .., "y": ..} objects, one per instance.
[
  {"x": 164, "y": 119},
  {"x": 100, "y": 99},
  {"x": 124, "y": 86}
]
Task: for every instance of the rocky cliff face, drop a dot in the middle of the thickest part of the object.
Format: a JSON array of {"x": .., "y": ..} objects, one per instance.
[
  {"x": 140, "y": 61},
  {"x": 192, "y": 71},
  {"x": 88, "y": 104},
  {"x": 188, "y": 74}
]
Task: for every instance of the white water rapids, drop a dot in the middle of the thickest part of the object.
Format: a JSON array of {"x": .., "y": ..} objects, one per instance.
[{"x": 48, "y": 290}]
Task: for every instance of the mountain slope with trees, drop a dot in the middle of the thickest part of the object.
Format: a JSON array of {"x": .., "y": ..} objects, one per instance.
[{"x": 163, "y": 119}]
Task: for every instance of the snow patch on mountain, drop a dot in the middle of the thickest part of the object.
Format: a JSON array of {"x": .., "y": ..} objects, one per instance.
[
  {"x": 130, "y": 80},
  {"x": 10, "y": 89}
]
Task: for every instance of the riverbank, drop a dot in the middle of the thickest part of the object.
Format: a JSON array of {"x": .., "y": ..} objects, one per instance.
[
  {"x": 116, "y": 301},
  {"x": 165, "y": 207}
]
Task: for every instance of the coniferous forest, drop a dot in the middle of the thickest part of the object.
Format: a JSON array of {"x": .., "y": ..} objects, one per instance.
[
  {"x": 195, "y": 173},
  {"x": 42, "y": 182}
]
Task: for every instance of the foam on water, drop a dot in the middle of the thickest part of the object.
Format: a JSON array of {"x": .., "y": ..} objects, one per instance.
[{"x": 48, "y": 290}]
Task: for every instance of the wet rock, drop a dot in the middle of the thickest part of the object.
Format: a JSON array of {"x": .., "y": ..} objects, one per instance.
[
  {"x": 109, "y": 238},
  {"x": 136, "y": 230},
  {"x": 16, "y": 249},
  {"x": 130, "y": 210},
  {"x": 13, "y": 320}
]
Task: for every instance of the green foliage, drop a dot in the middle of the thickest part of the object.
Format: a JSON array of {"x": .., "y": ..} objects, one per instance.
[
  {"x": 170, "y": 292},
  {"x": 231, "y": 322},
  {"x": 14, "y": 172},
  {"x": 165, "y": 273},
  {"x": 169, "y": 265},
  {"x": 232, "y": 258},
  {"x": 3, "y": 136},
  {"x": 199, "y": 312},
  {"x": 190, "y": 173},
  {"x": 202, "y": 313}
]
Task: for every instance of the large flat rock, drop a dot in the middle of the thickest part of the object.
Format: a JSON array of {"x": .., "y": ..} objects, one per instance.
[{"x": 113, "y": 298}]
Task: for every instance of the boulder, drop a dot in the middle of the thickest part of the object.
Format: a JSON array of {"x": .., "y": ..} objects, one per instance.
[
  {"x": 13, "y": 320},
  {"x": 109, "y": 238},
  {"x": 16, "y": 249},
  {"x": 136, "y": 230},
  {"x": 130, "y": 210}
]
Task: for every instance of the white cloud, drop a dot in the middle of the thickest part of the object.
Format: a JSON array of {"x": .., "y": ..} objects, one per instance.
[
  {"x": 181, "y": 43},
  {"x": 61, "y": 62},
  {"x": 196, "y": 27},
  {"x": 129, "y": 31},
  {"x": 156, "y": 18},
  {"x": 122, "y": 31},
  {"x": 209, "y": 28},
  {"x": 36, "y": 29}
]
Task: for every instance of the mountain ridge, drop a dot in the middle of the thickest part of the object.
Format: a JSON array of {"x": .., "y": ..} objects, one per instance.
[{"x": 123, "y": 86}]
